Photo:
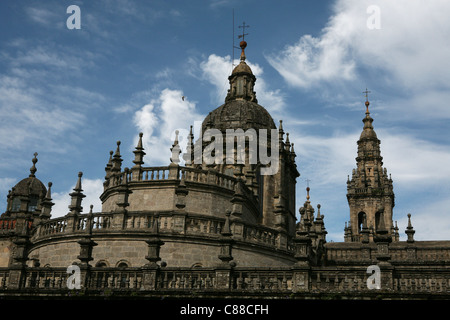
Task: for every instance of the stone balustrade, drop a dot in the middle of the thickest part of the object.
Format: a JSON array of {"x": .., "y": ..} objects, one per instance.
[
  {"x": 169, "y": 223},
  {"x": 7, "y": 225},
  {"x": 173, "y": 173},
  {"x": 280, "y": 281}
]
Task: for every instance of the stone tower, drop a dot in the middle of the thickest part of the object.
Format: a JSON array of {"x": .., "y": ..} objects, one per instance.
[{"x": 370, "y": 192}]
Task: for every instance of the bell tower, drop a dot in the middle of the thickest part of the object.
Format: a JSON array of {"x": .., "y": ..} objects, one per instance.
[{"x": 370, "y": 191}]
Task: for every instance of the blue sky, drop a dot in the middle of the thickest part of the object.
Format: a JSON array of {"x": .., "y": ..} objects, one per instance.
[{"x": 71, "y": 94}]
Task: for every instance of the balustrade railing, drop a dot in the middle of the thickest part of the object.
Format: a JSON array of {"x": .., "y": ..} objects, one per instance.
[
  {"x": 168, "y": 223},
  {"x": 113, "y": 278},
  {"x": 279, "y": 280},
  {"x": 7, "y": 224},
  {"x": 186, "y": 279}
]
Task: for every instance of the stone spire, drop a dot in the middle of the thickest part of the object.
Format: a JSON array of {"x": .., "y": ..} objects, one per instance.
[
  {"x": 47, "y": 204},
  {"x": 189, "y": 155},
  {"x": 76, "y": 197},
  {"x": 410, "y": 230},
  {"x": 117, "y": 160},
  {"x": 139, "y": 153},
  {"x": 369, "y": 191},
  {"x": 109, "y": 165}
]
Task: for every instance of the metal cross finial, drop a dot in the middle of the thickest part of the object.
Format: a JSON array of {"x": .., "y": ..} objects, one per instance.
[
  {"x": 243, "y": 31},
  {"x": 366, "y": 92},
  {"x": 307, "y": 182}
]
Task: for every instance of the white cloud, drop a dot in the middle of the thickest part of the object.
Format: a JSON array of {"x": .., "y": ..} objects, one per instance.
[
  {"x": 158, "y": 121},
  {"x": 410, "y": 44},
  {"x": 92, "y": 189},
  {"x": 414, "y": 161},
  {"x": 431, "y": 221},
  {"x": 41, "y": 15},
  {"x": 408, "y": 54}
]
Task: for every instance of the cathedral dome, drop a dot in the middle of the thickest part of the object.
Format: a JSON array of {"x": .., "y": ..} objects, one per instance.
[
  {"x": 239, "y": 114},
  {"x": 30, "y": 186}
]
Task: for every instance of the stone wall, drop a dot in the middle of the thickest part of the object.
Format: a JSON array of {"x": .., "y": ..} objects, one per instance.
[
  {"x": 175, "y": 253},
  {"x": 5, "y": 252}
]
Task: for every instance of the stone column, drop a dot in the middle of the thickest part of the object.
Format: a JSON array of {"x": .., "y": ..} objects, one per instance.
[
  {"x": 382, "y": 239},
  {"x": 20, "y": 257},
  {"x": 151, "y": 269},
  {"x": 225, "y": 268},
  {"x": 301, "y": 270},
  {"x": 120, "y": 212}
]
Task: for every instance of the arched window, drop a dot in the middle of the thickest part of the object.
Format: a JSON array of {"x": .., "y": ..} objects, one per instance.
[
  {"x": 197, "y": 265},
  {"x": 378, "y": 217},
  {"x": 361, "y": 219},
  {"x": 101, "y": 264}
]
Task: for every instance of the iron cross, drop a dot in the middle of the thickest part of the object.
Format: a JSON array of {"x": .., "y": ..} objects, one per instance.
[
  {"x": 243, "y": 31},
  {"x": 307, "y": 182},
  {"x": 366, "y": 92}
]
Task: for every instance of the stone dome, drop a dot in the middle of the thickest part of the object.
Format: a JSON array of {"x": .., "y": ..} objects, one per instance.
[
  {"x": 239, "y": 114},
  {"x": 30, "y": 186},
  {"x": 242, "y": 67}
]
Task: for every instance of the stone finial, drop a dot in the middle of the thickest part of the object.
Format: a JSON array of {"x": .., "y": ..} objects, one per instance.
[
  {"x": 47, "y": 204},
  {"x": 49, "y": 191},
  {"x": 410, "y": 230},
  {"x": 139, "y": 152},
  {"x": 189, "y": 155},
  {"x": 287, "y": 143},
  {"x": 77, "y": 197},
  {"x": 33, "y": 168},
  {"x": 175, "y": 150},
  {"x": 117, "y": 159}
]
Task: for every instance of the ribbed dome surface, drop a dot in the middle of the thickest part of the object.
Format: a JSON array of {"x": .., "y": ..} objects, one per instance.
[
  {"x": 239, "y": 114},
  {"x": 30, "y": 186}
]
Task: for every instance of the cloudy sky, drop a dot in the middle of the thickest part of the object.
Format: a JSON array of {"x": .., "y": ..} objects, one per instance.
[{"x": 70, "y": 94}]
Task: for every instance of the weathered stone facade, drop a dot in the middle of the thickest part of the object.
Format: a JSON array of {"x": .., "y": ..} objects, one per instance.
[{"x": 218, "y": 229}]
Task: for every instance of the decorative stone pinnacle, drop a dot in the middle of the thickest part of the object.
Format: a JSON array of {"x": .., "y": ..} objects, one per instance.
[
  {"x": 78, "y": 185},
  {"x": 33, "y": 168}
]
